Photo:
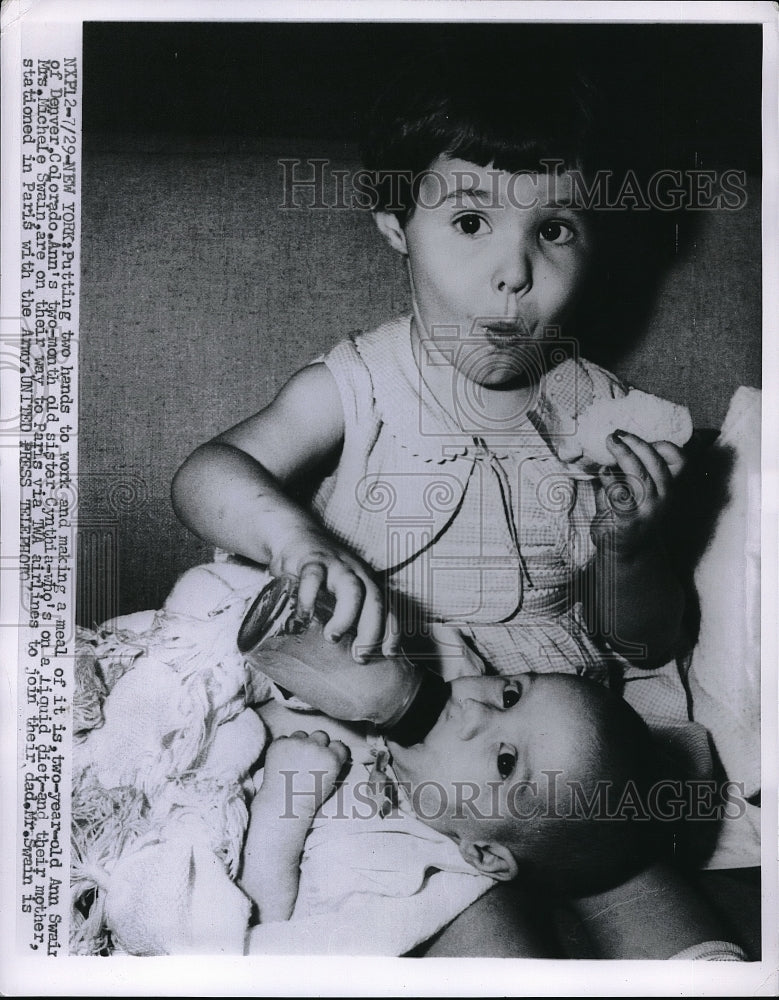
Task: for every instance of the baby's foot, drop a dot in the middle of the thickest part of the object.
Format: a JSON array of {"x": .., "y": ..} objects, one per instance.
[{"x": 301, "y": 772}]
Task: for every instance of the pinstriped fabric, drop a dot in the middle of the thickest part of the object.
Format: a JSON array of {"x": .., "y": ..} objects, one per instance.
[{"x": 490, "y": 539}]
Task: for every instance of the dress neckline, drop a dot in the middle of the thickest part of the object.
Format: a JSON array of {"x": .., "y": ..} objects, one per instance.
[{"x": 419, "y": 420}]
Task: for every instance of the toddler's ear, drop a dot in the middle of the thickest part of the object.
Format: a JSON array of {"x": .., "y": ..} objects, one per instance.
[
  {"x": 390, "y": 228},
  {"x": 491, "y": 859}
]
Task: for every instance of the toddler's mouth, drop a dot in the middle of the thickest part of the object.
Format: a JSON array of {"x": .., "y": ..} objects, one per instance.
[
  {"x": 513, "y": 326},
  {"x": 502, "y": 332}
]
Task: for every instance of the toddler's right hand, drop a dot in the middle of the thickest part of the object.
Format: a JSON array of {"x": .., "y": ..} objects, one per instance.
[{"x": 320, "y": 562}]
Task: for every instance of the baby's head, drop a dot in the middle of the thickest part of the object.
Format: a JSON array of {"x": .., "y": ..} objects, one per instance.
[{"x": 541, "y": 772}]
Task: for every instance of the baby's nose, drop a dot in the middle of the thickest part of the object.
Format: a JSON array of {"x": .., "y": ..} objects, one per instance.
[
  {"x": 472, "y": 718},
  {"x": 479, "y": 688}
]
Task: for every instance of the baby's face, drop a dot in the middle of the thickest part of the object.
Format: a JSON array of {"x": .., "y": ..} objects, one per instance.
[
  {"x": 500, "y": 751},
  {"x": 495, "y": 260}
]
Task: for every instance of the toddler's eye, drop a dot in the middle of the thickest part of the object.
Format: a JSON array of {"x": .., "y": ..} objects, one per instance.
[
  {"x": 511, "y": 694},
  {"x": 556, "y": 232},
  {"x": 471, "y": 224},
  {"x": 507, "y": 760}
]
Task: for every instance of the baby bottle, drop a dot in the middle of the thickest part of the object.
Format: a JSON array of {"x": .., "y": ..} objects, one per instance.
[{"x": 401, "y": 698}]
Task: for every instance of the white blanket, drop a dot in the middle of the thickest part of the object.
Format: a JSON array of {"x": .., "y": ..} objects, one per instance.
[
  {"x": 724, "y": 676},
  {"x": 159, "y": 803}
]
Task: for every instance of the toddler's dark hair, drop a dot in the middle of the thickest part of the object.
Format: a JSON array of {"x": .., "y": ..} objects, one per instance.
[{"x": 500, "y": 108}]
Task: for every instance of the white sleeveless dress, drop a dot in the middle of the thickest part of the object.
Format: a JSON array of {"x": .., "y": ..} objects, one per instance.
[{"x": 491, "y": 540}]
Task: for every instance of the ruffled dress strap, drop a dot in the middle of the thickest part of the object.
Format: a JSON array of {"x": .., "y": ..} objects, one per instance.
[
  {"x": 412, "y": 414},
  {"x": 395, "y": 447}
]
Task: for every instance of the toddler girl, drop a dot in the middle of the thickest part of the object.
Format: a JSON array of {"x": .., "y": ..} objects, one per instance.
[{"x": 434, "y": 492}]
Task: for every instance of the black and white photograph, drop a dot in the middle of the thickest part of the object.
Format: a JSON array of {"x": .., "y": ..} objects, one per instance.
[{"x": 389, "y": 546}]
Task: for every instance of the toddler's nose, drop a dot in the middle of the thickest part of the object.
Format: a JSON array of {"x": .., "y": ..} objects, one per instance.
[{"x": 513, "y": 270}]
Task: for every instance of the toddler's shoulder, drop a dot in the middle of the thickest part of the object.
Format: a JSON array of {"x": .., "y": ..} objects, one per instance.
[
  {"x": 388, "y": 343},
  {"x": 372, "y": 358},
  {"x": 365, "y": 367},
  {"x": 370, "y": 349}
]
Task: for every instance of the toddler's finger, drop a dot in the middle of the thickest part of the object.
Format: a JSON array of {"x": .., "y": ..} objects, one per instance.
[
  {"x": 631, "y": 452},
  {"x": 653, "y": 462},
  {"x": 391, "y": 643},
  {"x": 672, "y": 455},
  {"x": 370, "y": 628},
  {"x": 299, "y": 734},
  {"x": 614, "y": 497},
  {"x": 311, "y": 580},
  {"x": 348, "y": 590},
  {"x": 607, "y": 479},
  {"x": 320, "y": 737}
]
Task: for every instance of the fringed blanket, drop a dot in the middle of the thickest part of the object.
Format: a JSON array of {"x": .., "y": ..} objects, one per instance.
[
  {"x": 164, "y": 744},
  {"x": 166, "y": 747}
]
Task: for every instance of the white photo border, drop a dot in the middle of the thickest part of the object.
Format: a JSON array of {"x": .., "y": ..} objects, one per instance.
[{"x": 254, "y": 976}]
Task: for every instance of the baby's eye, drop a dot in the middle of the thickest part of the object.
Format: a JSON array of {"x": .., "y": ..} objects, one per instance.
[
  {"x": 555, "y": 231},
  {"x": 511, "y": 694},
  {"x": 507, "y": 760},
  {"x": 471, "y": 224}
]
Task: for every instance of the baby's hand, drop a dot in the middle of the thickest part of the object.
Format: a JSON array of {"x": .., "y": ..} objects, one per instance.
[
  {"x": 634, "y": 493},
  {"x": 303, "y": 771},
  {"x": 320, "y": 562}
]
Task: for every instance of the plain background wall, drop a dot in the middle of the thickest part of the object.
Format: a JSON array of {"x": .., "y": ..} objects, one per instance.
[{"x": 200, "y": 296}]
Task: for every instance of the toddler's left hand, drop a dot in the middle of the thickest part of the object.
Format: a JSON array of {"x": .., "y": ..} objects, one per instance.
[{"x": 634, "y": 493}]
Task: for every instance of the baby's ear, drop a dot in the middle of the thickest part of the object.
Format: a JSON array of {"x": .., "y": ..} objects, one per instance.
[
  {"x": 390, "y": 228},
  {"x": 492, "y": 859}
]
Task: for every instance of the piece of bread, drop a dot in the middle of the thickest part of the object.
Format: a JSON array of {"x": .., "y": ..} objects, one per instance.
[
  {"x": 580, "y": 404},
  {"x": 640, "y": 413}
]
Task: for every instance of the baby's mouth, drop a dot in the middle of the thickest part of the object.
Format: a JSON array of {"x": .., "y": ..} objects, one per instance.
[
  {"x": 430, "y": 703},
  {"x": 583, "y": 467}
]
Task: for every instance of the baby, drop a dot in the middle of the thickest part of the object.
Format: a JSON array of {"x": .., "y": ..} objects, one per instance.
[{"x": 539, "y": 774}]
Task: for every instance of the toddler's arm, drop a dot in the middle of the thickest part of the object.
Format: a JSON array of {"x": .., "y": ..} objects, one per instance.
[
  {"x": 234, "y": 492},
  {"x": 300, "y": 774},
  {"x": 635, "y": 600}
]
